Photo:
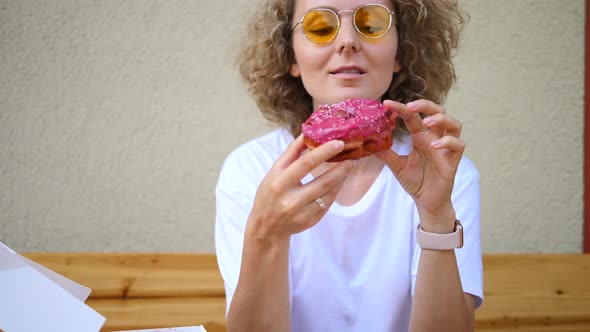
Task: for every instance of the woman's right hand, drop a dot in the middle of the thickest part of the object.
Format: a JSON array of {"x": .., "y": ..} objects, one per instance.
[{"x": 283, "y": 206}]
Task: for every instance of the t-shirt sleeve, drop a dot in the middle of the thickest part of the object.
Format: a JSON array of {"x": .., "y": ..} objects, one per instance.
[
  {"x": 234, "y": 196},
  {"x": 466, "y": 201}
]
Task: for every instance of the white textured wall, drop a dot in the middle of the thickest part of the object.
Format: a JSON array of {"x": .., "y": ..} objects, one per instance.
[
  {"x": 115, "y": 117},
  {"x": 520, "y": 95}
]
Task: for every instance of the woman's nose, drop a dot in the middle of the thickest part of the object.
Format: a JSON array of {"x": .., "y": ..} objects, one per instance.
[{"x": 347, "y": 39}]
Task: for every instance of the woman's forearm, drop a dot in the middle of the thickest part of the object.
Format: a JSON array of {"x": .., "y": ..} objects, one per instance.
[
  {"x": 261, "y": 300},
  {"x": 439, "y": 301}
]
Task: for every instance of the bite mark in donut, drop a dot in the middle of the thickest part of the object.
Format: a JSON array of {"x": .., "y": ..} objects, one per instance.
[{"x": 365, "y": 126}]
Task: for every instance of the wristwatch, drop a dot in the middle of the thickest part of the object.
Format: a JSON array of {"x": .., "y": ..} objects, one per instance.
[{"x": 435, "y": 241}]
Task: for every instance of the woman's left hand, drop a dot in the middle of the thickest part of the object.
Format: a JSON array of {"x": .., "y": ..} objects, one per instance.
[{"x": 427, "y": 173}]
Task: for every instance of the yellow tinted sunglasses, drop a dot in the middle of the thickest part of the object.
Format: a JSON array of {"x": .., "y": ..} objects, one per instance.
[{"x": 321, "y": 25}]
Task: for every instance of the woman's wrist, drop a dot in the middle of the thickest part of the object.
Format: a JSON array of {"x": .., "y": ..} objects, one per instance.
[
  {"x": 442, "y": 221},
  {"x": 260, "y": 236}
]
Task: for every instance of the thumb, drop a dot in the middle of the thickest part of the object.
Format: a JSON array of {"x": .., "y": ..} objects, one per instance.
[{"x": 394, "y": 161}]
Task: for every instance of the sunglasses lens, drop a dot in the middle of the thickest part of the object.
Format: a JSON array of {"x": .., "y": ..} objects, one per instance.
[
  {"x": 320, "y": 25},
  {"x": 372, "y": 20}
]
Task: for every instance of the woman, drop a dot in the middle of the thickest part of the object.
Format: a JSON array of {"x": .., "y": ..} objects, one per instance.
[{"x": 369, "y": 245}]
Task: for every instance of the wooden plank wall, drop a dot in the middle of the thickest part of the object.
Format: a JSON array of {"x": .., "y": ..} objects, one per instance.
[
  {"x": 523, "y": 292},
  {"x": 140, "y": 291},
  {"x": 535, "y": 292}
]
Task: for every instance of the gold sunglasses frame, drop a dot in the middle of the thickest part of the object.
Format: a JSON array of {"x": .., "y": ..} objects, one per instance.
[{"x": 353, "y": 12}]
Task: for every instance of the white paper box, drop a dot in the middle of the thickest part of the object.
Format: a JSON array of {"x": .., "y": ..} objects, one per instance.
[{"x": 41, "y": 300}]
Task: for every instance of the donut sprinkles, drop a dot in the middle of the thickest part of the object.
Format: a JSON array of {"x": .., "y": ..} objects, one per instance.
[{"x": 365, "y": 126}]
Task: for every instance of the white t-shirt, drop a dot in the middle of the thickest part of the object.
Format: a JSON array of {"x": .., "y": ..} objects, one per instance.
[{"x": 356, "y": 269}]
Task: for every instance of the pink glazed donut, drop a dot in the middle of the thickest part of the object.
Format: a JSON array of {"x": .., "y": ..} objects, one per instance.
[{"x": 365, "y": 126}]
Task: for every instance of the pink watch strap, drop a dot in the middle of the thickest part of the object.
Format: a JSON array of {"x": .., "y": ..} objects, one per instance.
[{"x": 435, "y": 241}]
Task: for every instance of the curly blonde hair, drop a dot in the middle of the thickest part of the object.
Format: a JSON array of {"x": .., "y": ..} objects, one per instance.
[{"x": 428, "y": 33}]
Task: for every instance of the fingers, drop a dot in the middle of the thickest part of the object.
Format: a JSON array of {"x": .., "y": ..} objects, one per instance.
[
  {"x": 444, "y": 124},
  {"x": 412, "y": 120},
  {"x": 436, "y": 120},
  {"x": 284, "y": 205},
  {"x": 315, "y": 199},
  {"x": 425, "y": 107},
  {"x": 325, "y": 191},
  {"x": 329, "y": 198},
  {"x": 306, "y": 163},
  {"x": 451, "y": 143},
  {"x": 291, "y": 153},
  {"x": 328, "y": 184}
]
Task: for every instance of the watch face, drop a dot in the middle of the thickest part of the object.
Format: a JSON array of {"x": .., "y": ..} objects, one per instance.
[{"x": 459, "y": 229}]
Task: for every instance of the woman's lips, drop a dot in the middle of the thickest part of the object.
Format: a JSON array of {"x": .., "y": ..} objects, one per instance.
[{"x": 348, "y": 72}]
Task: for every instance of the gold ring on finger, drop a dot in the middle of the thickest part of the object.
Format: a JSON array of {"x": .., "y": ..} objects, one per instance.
[{"x": 321, "y": 203}]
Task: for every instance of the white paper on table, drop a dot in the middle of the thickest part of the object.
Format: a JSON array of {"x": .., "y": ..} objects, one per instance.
[
  {"x": 32, "y": 302},
  {"x": 172, "y": 329},
  {"x": 78, "y": 291}
]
